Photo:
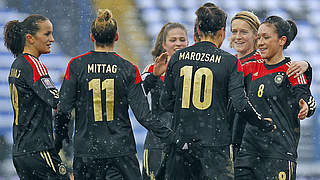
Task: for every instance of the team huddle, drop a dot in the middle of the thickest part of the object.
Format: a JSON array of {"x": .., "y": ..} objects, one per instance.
[{"x": 210, "y": 115}]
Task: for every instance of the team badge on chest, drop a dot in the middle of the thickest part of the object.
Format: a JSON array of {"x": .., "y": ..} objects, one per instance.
[
  {"x": 62, "y": 169},
  {"x": 278, "y": 79}
]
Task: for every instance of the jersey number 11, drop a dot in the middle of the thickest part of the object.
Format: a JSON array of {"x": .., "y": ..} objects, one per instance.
[{"x": 108, "y": 86}]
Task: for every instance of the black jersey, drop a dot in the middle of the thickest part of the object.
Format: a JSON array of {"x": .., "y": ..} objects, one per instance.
[
  {"x": 152, "y": 86},
  {"x": 239, "y": 124},
  {"x": 272, "y": 91},
  {"x": 199, "y": 81},
  {"x": 101, "y": 86},
  {"x": 33, "y": 96}
]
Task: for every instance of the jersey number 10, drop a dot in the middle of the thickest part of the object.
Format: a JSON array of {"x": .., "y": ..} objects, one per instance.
[
  {"x": 108, "y": 86},
  {"x": 186, "y": 72}
]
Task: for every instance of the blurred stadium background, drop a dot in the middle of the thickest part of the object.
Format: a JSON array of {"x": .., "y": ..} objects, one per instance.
[{"x": 139, "y": 22}]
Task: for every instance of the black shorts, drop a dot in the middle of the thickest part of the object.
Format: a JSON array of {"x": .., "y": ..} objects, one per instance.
[
  {"x": 208, "y": 163},
  {"x": 151, "y": 163},
  {"x": 44, "y": 165},
  {"x": 123, "y": 167},
  {"x": 255, "y": 167}
]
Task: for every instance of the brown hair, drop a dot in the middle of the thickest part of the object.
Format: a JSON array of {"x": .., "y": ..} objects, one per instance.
[
  {"x": 283, "y": 28},
  {"x": 15, "y": 31},
  {"x": 104, "y": 28},
  {"x": 162, "y": 35},
  {"x": 210, "y": 19}
]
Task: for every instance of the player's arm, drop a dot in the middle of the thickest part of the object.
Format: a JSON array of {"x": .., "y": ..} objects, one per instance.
[
  {"x": 149, "y": 81},
  {"x": 301, "y": 90},
  {"x": 65, "y": 106},
  {"x": 300, "y": 67},
  {"x": 40, "y": 82},
  {"x": 241, "y": 102},
  {"x": 140, "y": 107},
  {"x": 168, "y": 92}
]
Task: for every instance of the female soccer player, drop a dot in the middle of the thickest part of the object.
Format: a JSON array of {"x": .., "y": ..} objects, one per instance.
[
  {"x": 244, "y": 28},
  {"x": 172, "y": 37},
  {"x": 33, "y": 97},
  {"x": 266, "y": 155},
  {"x": 101, "y": 85},
  {"x": 198, "y": 83}
]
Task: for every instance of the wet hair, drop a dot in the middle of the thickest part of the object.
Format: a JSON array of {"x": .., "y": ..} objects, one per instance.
[
  {"x": 104, "y": 28},
  {"x": 161, "y": 38},
  {"x": 210, "y": 19},
  {"x": 15, "y": 32},
  {"x": 283, "y": 28},
  {"x": 249, "y": 18}
]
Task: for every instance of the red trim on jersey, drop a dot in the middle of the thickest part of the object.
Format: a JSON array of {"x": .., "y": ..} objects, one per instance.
[
  {"x": 162, "y": 77},
  {"x": 258, "y": 70},
  {"x": 117, "y": 54},
  {"x": 148, "y": 69},
  {"x": 299, "y": 80},
  {"x": 240, "y": 68},
  {"x": 66, "y": 76},
  {"x": 138, "y": 77},
  {"x": 255, "y": 56},
  {"x": 38, "y": 68}
]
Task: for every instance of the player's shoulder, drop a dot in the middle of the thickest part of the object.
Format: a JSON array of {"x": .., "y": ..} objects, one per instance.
[
  {"x": 148, "y": 69},
  {"x": 288, "y": 62},
  {"x": 253, "y": 56},
  {"x": 29, "y": 61},
  {"x": 80, "y": 57}
]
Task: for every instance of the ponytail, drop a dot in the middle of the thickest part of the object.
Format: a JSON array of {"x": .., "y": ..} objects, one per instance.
[
  {"x": 15, "y": 31},
  {"x": 104, "y": 28},
  {"x": 14, "y": 38},
  {"x": 283, "y": 28}
]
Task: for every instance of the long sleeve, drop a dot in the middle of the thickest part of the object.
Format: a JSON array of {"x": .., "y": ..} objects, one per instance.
[
  {"x": 167, "y": 94},
  {"x": 37, "y": 77},
  {"x": 140, "y": 107},
  {"x": 241, "y": 102}
]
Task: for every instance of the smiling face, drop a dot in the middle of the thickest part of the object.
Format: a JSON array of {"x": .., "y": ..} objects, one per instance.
[
  {"x": 42, "y": 40},
  {"x": 269, "y": 44},
  {"x": 242, "y": 37},
  {"x": 176, "y": 39}
]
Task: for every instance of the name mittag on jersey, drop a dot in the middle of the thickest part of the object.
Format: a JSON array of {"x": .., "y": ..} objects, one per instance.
[{"x": 47, "y": 82}]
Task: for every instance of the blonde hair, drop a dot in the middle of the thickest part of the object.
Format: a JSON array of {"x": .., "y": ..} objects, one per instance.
[
  {"x": 249, "y": 18},
  {"x": 104, "y": 28}
]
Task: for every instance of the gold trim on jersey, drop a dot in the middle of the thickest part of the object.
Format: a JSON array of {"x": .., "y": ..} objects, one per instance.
[
  {"x": 52, "y": 165},
  {"x": 46, "y": 156},
  {"x": 145, "y": 161}
]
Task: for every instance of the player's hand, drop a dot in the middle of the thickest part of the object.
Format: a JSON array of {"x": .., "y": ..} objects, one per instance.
[
  {"x": 304, "y": 109},
  {"x": 160, "y": 64},
  {"x": 271, "y": 126},
  {"x": 61, "y": 130},
  {"x": 297, "y": 68}
]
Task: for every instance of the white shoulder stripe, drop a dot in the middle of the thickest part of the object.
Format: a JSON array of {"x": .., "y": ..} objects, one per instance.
[
  {"x": 147, "y": 68},
  {"x": 39, "y": 66},
  {"x": 42, "y": 67},
  {"x": 302, "y": 79}
]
